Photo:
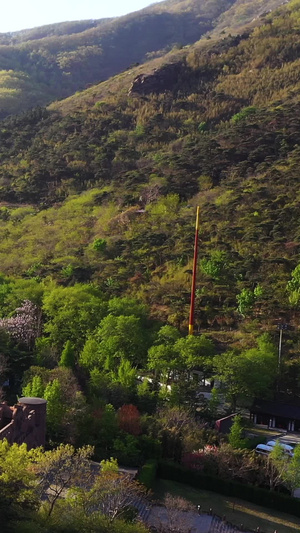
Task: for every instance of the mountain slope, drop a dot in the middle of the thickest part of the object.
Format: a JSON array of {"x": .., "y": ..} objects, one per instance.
[
  {"x": 40, "y": 65},
  {"x": 225, "y": 136},
  {"x": 242, "y": 13}
]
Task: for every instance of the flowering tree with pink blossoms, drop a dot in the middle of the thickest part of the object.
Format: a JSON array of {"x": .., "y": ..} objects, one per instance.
[{"x": 25, "y": 325}]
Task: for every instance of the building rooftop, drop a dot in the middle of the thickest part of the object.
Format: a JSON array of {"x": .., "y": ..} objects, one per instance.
[{"x": 32, "y": 401}]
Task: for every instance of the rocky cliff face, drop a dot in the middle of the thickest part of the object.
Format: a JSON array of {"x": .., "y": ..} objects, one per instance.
[{"x": 158, "y": 81}]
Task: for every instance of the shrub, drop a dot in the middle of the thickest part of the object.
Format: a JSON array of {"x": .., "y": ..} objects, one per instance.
[
  {"x": 99, "y": 245},
  {"x": 244, "y": 113},
  {"x": 147, "y": 474}
]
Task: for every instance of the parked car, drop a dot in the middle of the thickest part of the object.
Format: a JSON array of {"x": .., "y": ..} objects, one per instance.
[
  {"x": 263, "y": 449},
  {"x": 286, "y": 447}
]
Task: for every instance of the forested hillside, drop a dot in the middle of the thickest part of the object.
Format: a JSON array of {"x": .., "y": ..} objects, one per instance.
[
  {"x": 226, "y": 136},
  {"x": 98, "y": 196},
  {"x": 40, "y": 65}
]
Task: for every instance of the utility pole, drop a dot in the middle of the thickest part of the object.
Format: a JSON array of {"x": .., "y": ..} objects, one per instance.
[
  {"x": 281, "y": 327},
  {"x": 193, "y": 289}
]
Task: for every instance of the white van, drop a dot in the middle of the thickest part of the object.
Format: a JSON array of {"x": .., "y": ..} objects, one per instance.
[
  {"x": 286, "y": 447},
  {"x": 263, "y": 449}
]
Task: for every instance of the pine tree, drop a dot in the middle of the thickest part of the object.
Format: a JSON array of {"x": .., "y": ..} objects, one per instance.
[
  {"x": 34, "y": 388},
  {"x": 55, "y": 408},
  {"x": 127, "y": 375},
  {"x": 236, "y": 431},
  {"x": 67, "y": 359}
]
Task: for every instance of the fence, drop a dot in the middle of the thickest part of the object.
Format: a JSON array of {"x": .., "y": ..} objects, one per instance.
[{"x": 7, "y": 432}]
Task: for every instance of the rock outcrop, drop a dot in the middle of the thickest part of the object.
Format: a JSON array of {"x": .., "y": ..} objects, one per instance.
[{"x": 158, "y": 81}]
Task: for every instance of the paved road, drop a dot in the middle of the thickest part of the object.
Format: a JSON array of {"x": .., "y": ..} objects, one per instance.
[
  {"x": 199, "y": 523},
  {"x": 290, "y": 438},
  {"x": 181, "y": 521}
]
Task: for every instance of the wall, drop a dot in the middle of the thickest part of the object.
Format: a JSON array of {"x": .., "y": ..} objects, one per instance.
[{"x": 24, "y": 422}]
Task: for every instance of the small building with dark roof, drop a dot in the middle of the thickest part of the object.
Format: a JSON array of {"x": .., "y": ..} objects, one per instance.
[
  {"x": 276, "y": 415},
  {"x": 223, "y": 425}
]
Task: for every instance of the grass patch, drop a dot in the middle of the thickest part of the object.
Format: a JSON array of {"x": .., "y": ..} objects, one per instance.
[
  {"x": 236, "y": 511},
  {"x": 265, "y": 432}
]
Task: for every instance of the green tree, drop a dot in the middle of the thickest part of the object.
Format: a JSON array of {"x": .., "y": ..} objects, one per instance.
[
  {"x": 126, "y": 375},
  {"x": 172, "y": 353},
  {"x": 168, "y": 335},
  {"x": 55, "y": 407},
  {"x": 109, "y": 465},
  {"x": 107, "y": 429},
  {"x": 245, "y": 301},
  {"x": 216, "y": 266},
  {"x": 229, "y": 369},
  {"x": 62, "y": 468},
  {"x": 90, "y": 357},
  {"x": 99, "y": 245},
  {"x": 236, "y": 433},
  {"x": 291, "y": 473},
  {"x": 45, "y": 352},
  {"x": 91, "y": 502},
  {"x": 163, "y": 359},
  {"x": 98, "y": 382},
  {"x": 214, "y": 403},
  {"x": 128, "y": 307},
  {"x": 68, "y": 356},
  {"x": 243, "y": 114},
  {"x": 121, "y": 337},
  {"x": 73, "y": 312},
  {"x": 293, "y": 287},
  {"x": 111, "y": 494},
  {"x": 275, "y": 465},
  {"x": 18, "y": 483},
  {"x": 183, "y": 392},
  {"x": 247, "y": 298},
  {"x": 249, "y": 373},
  {"x": 35, "y": 388},
  {"x": 195, "y": 352},
  {"x": 176, "y": 427},
  {"x": 126, "y": 449},
  {"x": 66, "y": 405},
  {"x": 146, "y": 397},
  {"x": 14, "y": 291}
]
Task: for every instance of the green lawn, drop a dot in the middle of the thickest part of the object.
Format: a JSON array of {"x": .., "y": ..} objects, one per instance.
[
  {"x": 264, "y": 433},
  {"x": 236, "y": 511}
]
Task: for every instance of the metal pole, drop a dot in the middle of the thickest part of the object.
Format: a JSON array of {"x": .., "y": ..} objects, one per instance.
[
  {"x": 193, "y": 289},
  {"x": 279, "y": 348}
]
